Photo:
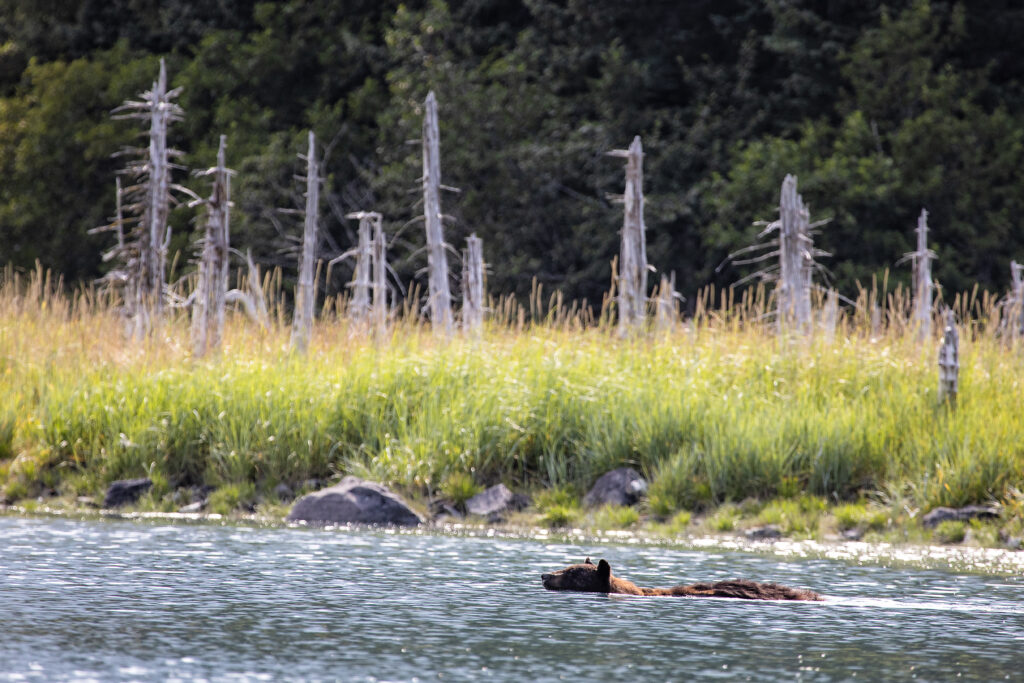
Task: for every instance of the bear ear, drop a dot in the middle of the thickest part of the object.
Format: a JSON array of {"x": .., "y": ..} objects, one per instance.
[
  {"x": 604, "y": 570},
  {"x": 587, "y": 561}
]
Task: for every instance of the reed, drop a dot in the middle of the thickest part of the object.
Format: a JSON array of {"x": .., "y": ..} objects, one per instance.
[{"x": 717, "y": 409}]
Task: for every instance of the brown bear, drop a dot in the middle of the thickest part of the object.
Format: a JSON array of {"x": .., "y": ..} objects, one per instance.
[{"x": 597, "y": 578}]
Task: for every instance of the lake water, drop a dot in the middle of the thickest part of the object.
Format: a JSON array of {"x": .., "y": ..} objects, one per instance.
[{"x": 116, "y": 600}]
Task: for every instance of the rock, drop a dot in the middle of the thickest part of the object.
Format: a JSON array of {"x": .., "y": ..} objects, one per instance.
[
  {"x": 1010, "y": 542},
  {"x": 198, "y": 506},
  {"x": 284, "y": 492},
  {"x": 623, "y": 486},
  {"x": 942, "y": 514},
  {"x": 440, "y": 509},
  {"x": 494, "y": 501},
  {"x": 353, "y": 501},
  {"x": 126, "y": 491},
  {"x": 768, "y": 532},
  {"x": 854, "y": 534}
]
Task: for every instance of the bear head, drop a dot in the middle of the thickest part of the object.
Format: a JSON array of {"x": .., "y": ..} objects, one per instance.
[{"x": 587, "y": 577}]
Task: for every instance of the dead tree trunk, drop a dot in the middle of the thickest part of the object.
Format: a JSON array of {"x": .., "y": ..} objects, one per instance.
[
  {"x": 362, "y": 280},
  {"x": 667, "y": 310},
  {"x": 379, "y": 309},
  {"x": 921, "y": 262},
  {"x": 949, "y": 361},
  {"x": 794, "y": 249},
  {"x": 253, "y": 301},
  {"x": 211, "y": 290},
  {"x": 438, "y": 291},
  {"x": 795, "y": 259},
  {"x": 632, "y": 280},
  {"x": 1016, "y": 317},
  {"x": 473, "y": 285},
  {"x": 359, "y": 309},
  {"x": 830, "y": 315},
  {"x": 158, "y": 205},
  {"x": 144, "y": 250},
  {"x": 305, "y": 292}
]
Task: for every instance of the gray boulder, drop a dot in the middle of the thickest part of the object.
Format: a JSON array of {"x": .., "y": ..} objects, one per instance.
[
  {"x": 943, "y": 514},
  {"x": 494, "y": 501},
  {"x": 623, "y": 486},
  {"x": 125, "y": 491},
  {"x": 353, "y": 501}
]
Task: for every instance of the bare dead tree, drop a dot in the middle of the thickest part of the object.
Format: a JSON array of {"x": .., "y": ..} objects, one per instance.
[
  {"x": 253, "y": 301},
  {"x": 473, "y": 285},
  {"x": 379, "y": 307},
  {"x": 305, "y": 291},
  {"x": 796, "y": 258},
  {"x": 149, "y": 199},
  {"x": 439, "y": 293},
  {"x": 1016, "y": 300},
  {"x": 212, "y": 286},
  {"x": 359, "y": 309},
  {"x": 921, "y": 265},
  {"x": 666, "y": 312},
  {"x": 949, "y": 361},
  {"x": 632, "y": 271}
]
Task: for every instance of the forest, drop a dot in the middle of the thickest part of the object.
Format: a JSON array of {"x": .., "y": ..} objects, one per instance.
[{"x": 879, "y": 109}]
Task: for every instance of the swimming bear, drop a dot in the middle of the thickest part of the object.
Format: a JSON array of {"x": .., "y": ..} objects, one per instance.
[{"x": 597, "y": 578}]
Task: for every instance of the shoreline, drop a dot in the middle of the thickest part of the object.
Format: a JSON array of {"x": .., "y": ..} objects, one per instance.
[{"x": 961, "y": 559}]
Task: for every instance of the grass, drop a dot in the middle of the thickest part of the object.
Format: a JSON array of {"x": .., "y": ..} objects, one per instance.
[
  {"x": 459, "y": 487},
  {"x": 715, "y": 412},
  {"x": 615, "y": 517}
]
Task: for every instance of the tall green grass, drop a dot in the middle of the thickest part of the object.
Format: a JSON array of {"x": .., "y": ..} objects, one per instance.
[{"x": 715, "y": 410}]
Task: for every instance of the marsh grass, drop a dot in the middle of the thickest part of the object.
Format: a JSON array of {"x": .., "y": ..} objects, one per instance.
[
  {"x": 459, "y": 487},
  {"x": 615, "y": 517},
  {"x": 950, "y": 531},
  {"x": 719, "y": 409}
]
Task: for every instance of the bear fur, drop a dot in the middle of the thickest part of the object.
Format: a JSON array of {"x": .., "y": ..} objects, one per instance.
[{"x": 597, "y": 578}]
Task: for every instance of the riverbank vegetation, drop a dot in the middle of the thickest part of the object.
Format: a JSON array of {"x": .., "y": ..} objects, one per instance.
[{"x": 730, "y": 423}]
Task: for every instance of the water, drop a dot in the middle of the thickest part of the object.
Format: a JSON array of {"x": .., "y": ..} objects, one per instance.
[{"x": 116, "y": 600}]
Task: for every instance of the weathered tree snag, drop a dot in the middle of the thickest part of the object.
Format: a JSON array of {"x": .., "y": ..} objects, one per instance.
[
  {"x": 1016, "y": 316},
  {"x": 632, "y": 279},
  {"x": 949, "y": 361},
  {"x": 667, "y": 308},
  {"x": 211, "y": 289},
  {"x": 143, "y": 251},
  {"x": 438, "y": 291},
  {"x": 795, "y": 259},
  {"x": 796, "y": 254},
  {"x": 921, "y": 263},
  {"x": 305, "y": 291},
  {"x": 473, "y": 285},
  {"x": 360, "y": 309},
  {"x": 379, "y": 310}
]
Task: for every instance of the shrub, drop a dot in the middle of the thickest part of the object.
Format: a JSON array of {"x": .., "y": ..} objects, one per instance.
[
  {"x": 950, "y": 531},
  {"x": 459, "y": 487},
  {"x": 616, "y": 517},
  {"x": 231, "y": 497},
  {"x": 559, "y": 516}
]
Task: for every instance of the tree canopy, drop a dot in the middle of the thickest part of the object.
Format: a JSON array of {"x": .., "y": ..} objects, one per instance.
[{"x": 879, "y": 109}]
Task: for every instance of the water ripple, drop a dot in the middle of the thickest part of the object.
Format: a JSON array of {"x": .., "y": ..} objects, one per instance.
[{"x": 114, "y": 600}]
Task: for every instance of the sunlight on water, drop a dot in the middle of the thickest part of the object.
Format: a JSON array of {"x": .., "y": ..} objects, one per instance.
[{"x": 117, "y": 600}]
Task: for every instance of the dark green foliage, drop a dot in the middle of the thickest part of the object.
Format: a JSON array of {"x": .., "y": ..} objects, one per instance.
[{"x": 879, "y": 110}]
